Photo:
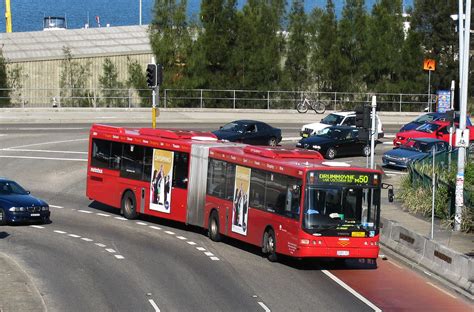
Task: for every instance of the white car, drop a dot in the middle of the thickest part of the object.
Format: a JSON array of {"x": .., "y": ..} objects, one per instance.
[{"x": 336, "y": 119}]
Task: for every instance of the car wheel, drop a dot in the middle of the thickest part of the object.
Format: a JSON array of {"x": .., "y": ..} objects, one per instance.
[
  {"x": 269, "y": 245},
  {"x": 272, "y": 141},
  {"x": 213, "y": 230},
  {"x": 3, "y": 217},
  {"x": 331, "y": 153},
  {"x": 366, "y": 151},
  {"x": 129, "y": 205}
]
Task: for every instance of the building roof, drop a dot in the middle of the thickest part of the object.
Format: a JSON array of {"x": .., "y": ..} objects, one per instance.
[{"x": 90, "y": 42}]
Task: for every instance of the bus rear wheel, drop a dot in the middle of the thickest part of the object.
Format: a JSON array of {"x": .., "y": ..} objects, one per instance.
[
  {"x": 269, "y": 245},
  {"x": 213, "y": 231},
  {"x": 129, "y": 205}
]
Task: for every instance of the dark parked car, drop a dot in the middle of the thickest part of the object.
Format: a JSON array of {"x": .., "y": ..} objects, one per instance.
[
  {"x": 250, "y": 132},
  {"x": 429, "y": 118},
  {"x": 413, "y": 149},
  {"x": 17, "y": 205},
  {"x": 336, "y": 141}
]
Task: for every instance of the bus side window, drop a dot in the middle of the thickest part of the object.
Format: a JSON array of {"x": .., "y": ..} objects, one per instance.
[
  {"x": 115, "y": 156},
  {"x": 180, "y": 170},
  {"x": 147, "y": 164},
  {"x": 100, "y": 153},
  {"x": 276, "y": 189},
  {"x": 216, "y": 178},
  {"x": 132, "y": 162},
  {"x": 257, "y": 189},
  {"x": 230, "y": 182}
]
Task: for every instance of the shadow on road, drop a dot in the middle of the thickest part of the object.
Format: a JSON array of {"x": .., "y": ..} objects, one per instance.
[{"x": 4, "y": 235}]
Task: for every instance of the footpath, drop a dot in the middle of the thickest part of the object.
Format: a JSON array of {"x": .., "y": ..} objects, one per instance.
[{"x": 448, "y": 258}]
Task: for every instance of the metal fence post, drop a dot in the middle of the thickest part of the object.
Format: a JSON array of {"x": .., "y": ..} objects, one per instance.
[
  {"x": 200, "y": 103},
  {"x": 335, "y": 100},
  {"x": 233, "y": 100},
  {"x": 165, "y": 100},
  {"x": 400, "y": 103},
  {"x": 129, "y": 98},
  {"x": 268, "y": 99}
]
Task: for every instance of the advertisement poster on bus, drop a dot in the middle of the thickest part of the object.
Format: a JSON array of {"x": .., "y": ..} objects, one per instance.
[
  {"x": 241, "y": 204},
  {"x": 160, "y": 188}
]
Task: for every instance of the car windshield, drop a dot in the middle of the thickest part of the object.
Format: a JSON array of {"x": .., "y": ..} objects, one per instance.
[
  {"x": 425, "y": 118},
  {"x": 343, "y": 207},
  {"x": 419, "y": 146},
  {"x": 11, "y": 188},
  {"x": 332, "y": 119},
  {"x": 232, "y": 126},
  {"x": 332, "y": 133},
  {"x": 428, "y": 128}
]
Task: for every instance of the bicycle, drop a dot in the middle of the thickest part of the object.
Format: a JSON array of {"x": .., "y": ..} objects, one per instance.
[{"x": 303, "y": 106}]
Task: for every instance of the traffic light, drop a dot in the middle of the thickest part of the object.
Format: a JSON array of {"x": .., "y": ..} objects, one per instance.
[
  {"x": 151, "y": 75},
  {"x": 362, "y": 119},
  {"x": 367, "y": 123},
  {"x": 450, "y": 117}
]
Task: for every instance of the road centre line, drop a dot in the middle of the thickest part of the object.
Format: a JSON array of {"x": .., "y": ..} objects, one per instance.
[
  {"x": 209, "y": 254},
  {"x": 142, "y": 223},
  {"x": 87, "y": 239},
  {"x": 352, "y": 291},
  {"x": 41, "y": 151},
  {"x": 119, "y": 257},
  {"x": 74, "y": 235},
  {"x": 154, "y": 305},
  {"x": 201, "y": 248},
  {"x": 37, "y": 226},
  {"x": 155, "y": 227},
  {"x": 101, "y": 245},
  {"x": 110, "y": 250},
  {"x": 60, "y": 232},
  {"x": 40, "y": 128},
  {"x": 265, "y": 308},
  {"x": 181, "y": 237},
  {"x": 214, "y": 258},
  {"x": 102, "y": 214},
  {"x": 191, "y": 243},
  {"x": 120, "y": 218},
  {"x": 51, "y": 142},
  {"x": 44, "y": 158},
  {"x": 170, "y": 233},
  {"x": 398, "y": 266},
  {"x": 54, "y": 206},
  {"x": 85, "y": 211},
  {"x": 442, "y": 290}
]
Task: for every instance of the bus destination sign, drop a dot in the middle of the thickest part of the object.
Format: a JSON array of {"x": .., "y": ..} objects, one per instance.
[{"x": 340, "y": 178}]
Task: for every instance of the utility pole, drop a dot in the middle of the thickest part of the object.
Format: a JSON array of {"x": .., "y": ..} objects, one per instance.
[
  {"x": 140, "y": 12},
  {"x": 373, "y": 132},
  {"x": 464, "y": 37},
  {"x": 8, "y": 16}
]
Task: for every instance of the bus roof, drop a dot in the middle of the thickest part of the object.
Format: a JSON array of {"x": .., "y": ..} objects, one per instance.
[{"x": 280, "y": 159}]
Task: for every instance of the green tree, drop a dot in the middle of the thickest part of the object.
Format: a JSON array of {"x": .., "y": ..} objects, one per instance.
[
  {"x": 352, "y": 42},
  {"x": 73, "y": 81},
  {"x": 384, "y": 46},
  {"x": 4, "y": 86},
  {"x": 170, "y": 39},
  {"x": 296, "y": 65},
  {"x": 137, "y": 80},
  {"x": 316, "y": 63},
  {"x": 16, "y": 76},
  {"x": 436, "y": 31},
  {"x": 113, "y": 93}
]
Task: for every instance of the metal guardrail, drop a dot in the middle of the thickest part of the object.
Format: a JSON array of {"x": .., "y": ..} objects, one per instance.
[{"x": 206, "y": 98}]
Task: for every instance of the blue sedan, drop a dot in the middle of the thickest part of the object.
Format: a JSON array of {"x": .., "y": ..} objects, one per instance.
[
  {"x": 414, "y": 149},
  {"x": 250, "y": 132},
  {"x": 17, "y": 205}
]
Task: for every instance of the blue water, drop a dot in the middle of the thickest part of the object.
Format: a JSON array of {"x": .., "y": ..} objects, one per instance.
[{"x": 27, "y": 15}]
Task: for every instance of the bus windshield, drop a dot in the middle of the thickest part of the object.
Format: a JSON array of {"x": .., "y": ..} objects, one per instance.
[{"x": 341, "y": 208}]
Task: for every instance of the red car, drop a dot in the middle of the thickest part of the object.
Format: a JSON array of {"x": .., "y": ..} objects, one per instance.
[{"x": 435, "y": 130}]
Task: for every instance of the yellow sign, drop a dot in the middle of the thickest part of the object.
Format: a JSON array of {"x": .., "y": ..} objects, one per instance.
[
  {"x": 358, "y": 234},
  {"x": 429, "y": 64}
]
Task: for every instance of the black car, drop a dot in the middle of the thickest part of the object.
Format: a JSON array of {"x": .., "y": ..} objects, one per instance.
[
  {"x": 250, "y": 132},
  {"x": 336, "y": 141},
  {"x": 17, "y": 205}
]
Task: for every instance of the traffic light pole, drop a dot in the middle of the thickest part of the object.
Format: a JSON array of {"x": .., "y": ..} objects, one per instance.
[
  {"x": 153, "y": 109},
  {"x": 373, "y": 132}
]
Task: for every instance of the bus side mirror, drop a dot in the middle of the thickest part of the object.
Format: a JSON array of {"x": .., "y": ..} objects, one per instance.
[{"x": 391, "y": 195}]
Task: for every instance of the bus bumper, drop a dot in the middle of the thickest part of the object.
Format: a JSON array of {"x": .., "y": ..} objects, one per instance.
[{"x": 328, "y": 252}]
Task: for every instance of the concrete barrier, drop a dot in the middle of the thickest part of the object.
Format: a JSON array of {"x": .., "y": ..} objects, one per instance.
[{"x": 447, "y": 264}]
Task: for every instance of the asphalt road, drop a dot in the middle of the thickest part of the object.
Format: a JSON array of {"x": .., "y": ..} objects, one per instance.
[{"x": 91, "y": 259}]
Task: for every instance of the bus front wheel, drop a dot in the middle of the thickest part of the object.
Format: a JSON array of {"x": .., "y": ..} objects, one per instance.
[
  {"x": 129, "y": 205},
  {"x": 269, "y": 245},
  {"x": 213, "y": 231}
]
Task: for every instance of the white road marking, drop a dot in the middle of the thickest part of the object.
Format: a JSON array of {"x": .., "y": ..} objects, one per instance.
[
  {"x": 60, "y": 232},
  {"x": 40, "y": 151},
  {"x": 44, "y": 158},
  {"x": 396, "y": 172},
  {"x": 85, "y": 211},
  {"x": 74, "y": 235},
  {"x": 291, "y": 139},
  {"x": 389, "y": 136},
  {"x": 427, "y": 273},
  {"x": 170, "y": 233},
  {"x": 103, "y": 214},
  {"x": 54, "y": 206},
  {"x": 352, "y": 291},
  {"x": 106, "y": 117},
  {"x": 119, "y": 256},
  {"x": 121, "y": 218},
  {"x": 387, "y": 143},
  {"x": 101, "y": 245},
  {"x": 191, "y": 243},
  {"x": 46, "y": 143},
  {"x": 141, "y": 223},
  {"x": 110, "y": 250},
  {"x": 155, "y": 227},
  {"x": 209, "y": 254},
  {"x": 181, "y": 237},
  {"x": 43, "y": 128},
  {"x": 214, "y": 259},
  {"x": 265, "y": 308},
  {"x": 442, "y": 290},
  {"x": 154, "y": 305},
  {"x": 87, "y": 239},
  {"x": 398, "y": 266},
  {"x": 37, "y": 226},
  {"x": 200, "y": 248}
]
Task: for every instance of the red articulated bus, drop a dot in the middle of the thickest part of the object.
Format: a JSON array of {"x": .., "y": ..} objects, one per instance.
[{"x": 287, "y": 201}]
